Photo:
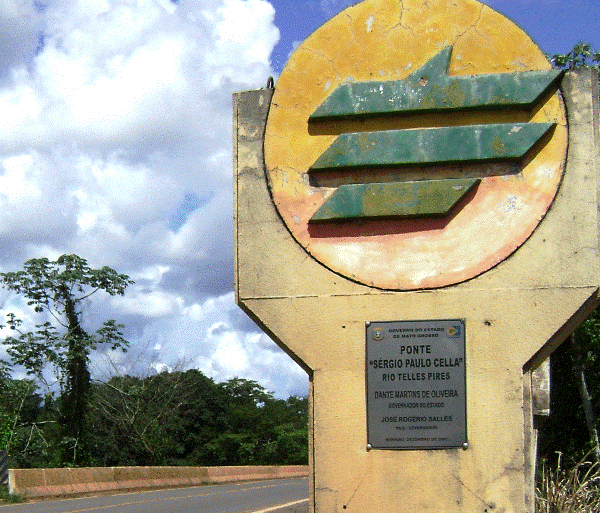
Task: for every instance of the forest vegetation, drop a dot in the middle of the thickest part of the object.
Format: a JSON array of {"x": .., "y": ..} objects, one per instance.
[{"x": 167, "y": 418}]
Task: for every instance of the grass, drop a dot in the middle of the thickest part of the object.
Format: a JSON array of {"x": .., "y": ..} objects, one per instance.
[
  {"x": 573, "y": 489},
  {"x": 9, "y": 498}
]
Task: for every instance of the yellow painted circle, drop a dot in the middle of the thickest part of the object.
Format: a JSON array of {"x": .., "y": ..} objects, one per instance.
[{"x": 388, "y": 40}]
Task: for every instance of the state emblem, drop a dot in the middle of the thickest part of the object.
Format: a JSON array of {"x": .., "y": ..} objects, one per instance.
[
  {"x": 378, "y": 334},
  {"x": 409, "y": 147}
]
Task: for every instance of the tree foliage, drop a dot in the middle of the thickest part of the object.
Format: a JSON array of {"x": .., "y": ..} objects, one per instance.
[
  {"x": 575, "y": 394},
  {"x": 581, "y": 56},
  {"x": 171, "y": 418},
  {"x": 57, "y": 290},
  {"x": 185, "y": 418}
]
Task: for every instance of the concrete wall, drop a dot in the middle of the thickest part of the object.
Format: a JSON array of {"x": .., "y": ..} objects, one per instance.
[{"x": 49, "y": 482}]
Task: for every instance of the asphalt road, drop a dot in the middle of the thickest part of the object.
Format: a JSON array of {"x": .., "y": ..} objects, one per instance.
[{"x": 276, "y": 496}]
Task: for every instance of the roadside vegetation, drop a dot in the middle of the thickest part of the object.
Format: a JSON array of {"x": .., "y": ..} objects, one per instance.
[
  {"x": 170, "y": 418},
  {"x": 569, "y": 487},
  {"x": 167, "y": 418},
  {"x": 9, "y": 498}
]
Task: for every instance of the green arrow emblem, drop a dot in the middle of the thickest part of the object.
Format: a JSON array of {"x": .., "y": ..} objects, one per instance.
[
  {"x": 407, "y": 199},
  {"x": 510, "y": 141},
  {"x": 429, "y": 89}
]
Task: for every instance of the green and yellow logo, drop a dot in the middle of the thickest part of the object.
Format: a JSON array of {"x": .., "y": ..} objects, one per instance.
[{"x": 428, "y": 89}]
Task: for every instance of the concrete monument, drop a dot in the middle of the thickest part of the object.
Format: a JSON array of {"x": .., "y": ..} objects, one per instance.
[{"x": 416, "y": 225}]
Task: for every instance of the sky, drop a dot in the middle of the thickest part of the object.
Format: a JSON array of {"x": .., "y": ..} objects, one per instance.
[{"x": 116, "y": 145}]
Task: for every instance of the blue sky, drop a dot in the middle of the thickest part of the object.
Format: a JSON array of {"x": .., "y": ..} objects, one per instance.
[
  {"x": 555, "y": 25},
  {"x": 116, "y": 145}
]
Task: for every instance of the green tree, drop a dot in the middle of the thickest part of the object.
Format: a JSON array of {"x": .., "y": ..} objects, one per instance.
[
  {"x": 57, "y": 291},
  {"x": 572, "y": 428},
  {"x": 139, "y": 418},
  {"x": 260, "y": 429},
  {"x": 581, "y": 56},
  {"x": 185, "y": 418},
  {"x": 24, "y": 425},
  {"x": 18, "y": 406}
]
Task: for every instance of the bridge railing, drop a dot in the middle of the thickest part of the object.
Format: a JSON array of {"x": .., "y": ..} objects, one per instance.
[{"x": 54, "y": 482}]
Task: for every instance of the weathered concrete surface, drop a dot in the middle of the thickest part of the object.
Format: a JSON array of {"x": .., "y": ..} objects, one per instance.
[
  {"x": 53, "y": 482},
  {"x": 516, "y": 315}
]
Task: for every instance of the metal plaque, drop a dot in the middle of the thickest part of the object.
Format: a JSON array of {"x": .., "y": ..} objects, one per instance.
[{"x": 416, "y": 393}]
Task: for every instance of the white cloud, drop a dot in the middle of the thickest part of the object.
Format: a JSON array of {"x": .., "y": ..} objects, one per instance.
[
  {"x": 18, "y": 34},
  {"x": 115, "y": 114},
  {"x": 208, "y": 336}
]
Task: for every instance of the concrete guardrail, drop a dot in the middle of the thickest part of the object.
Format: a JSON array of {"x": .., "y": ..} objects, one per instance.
[{"x": 54, "y": 482}]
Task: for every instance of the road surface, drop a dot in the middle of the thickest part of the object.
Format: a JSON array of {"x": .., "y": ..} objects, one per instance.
[{"x": 274, "y": 496}]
